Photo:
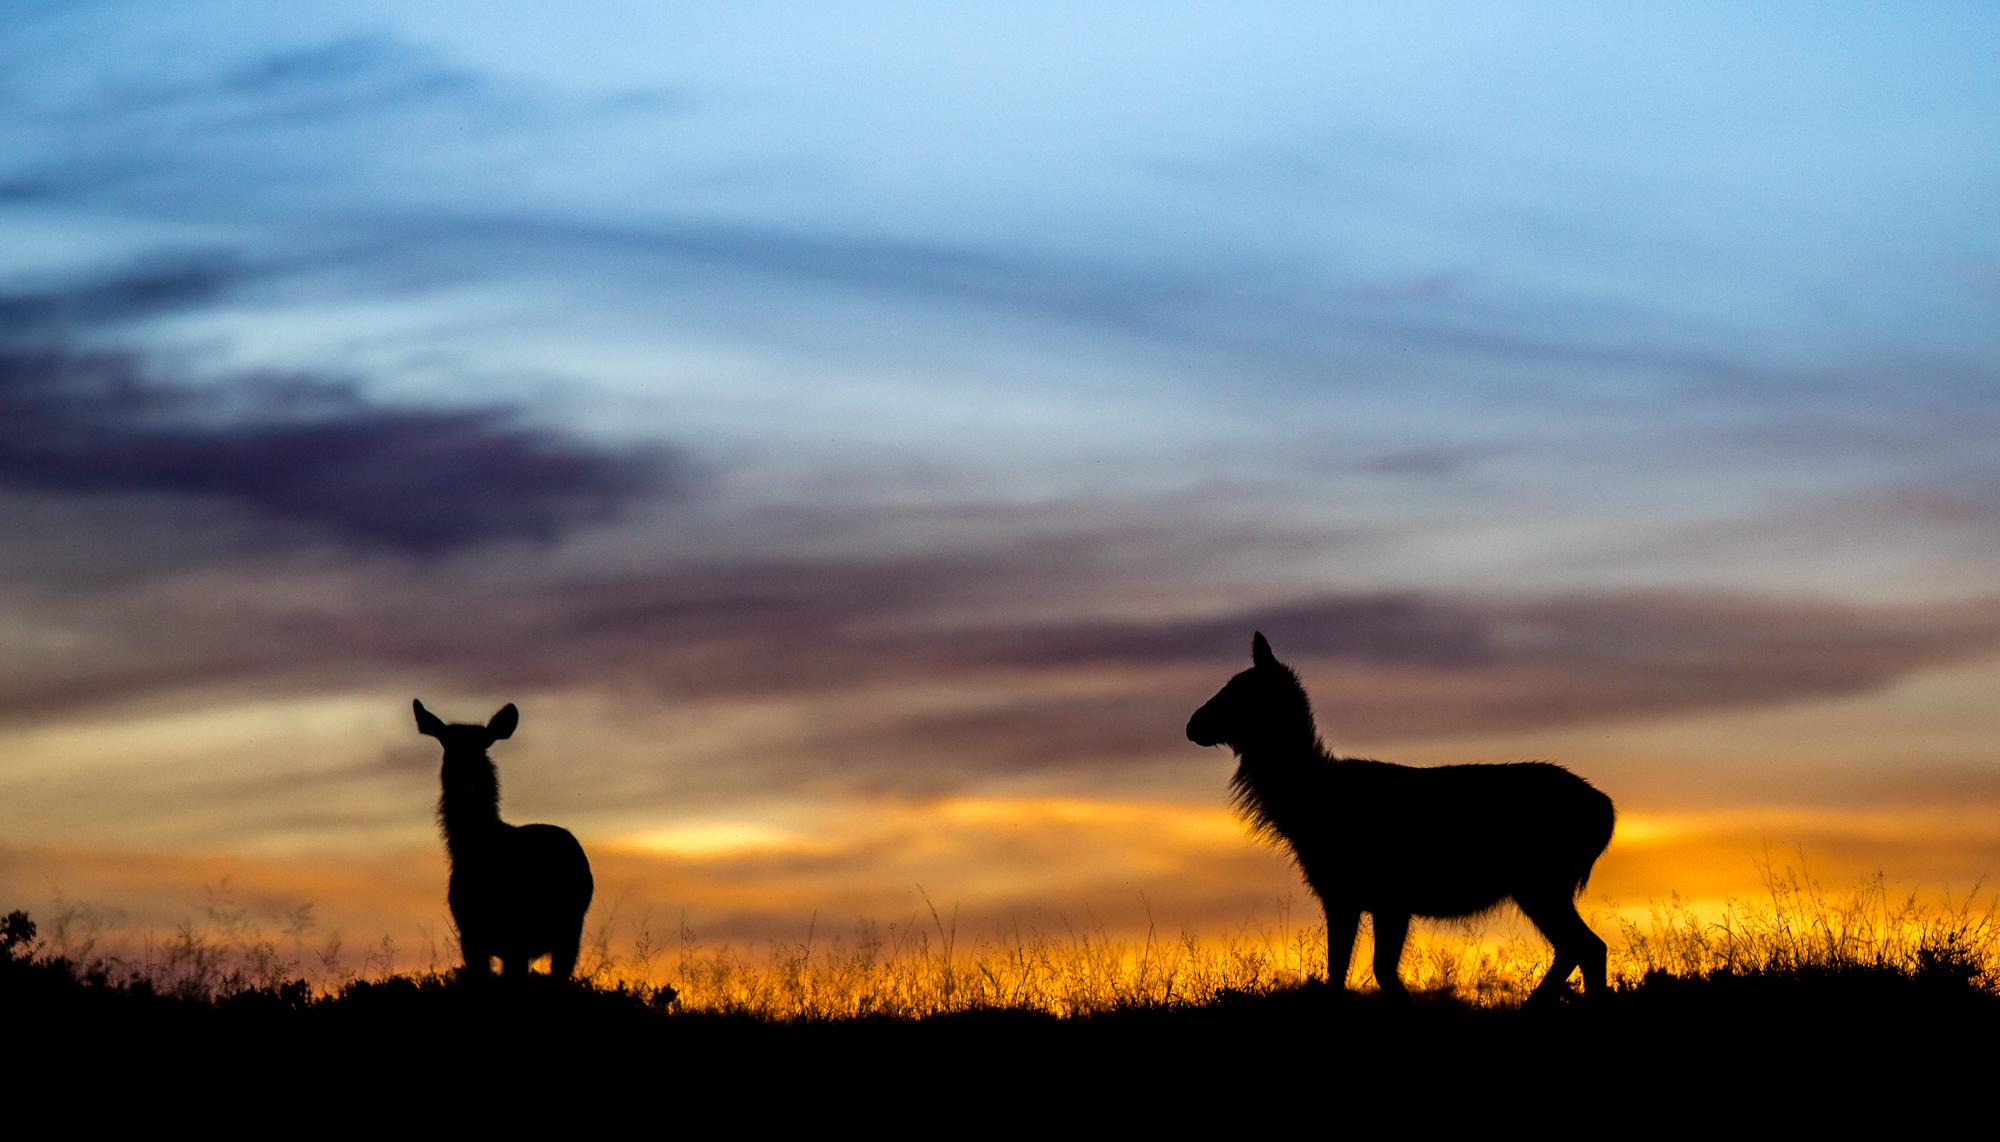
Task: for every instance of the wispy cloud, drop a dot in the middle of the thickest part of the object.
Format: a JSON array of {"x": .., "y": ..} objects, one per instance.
[
  {"x": 1034, "y": 692},
  {"x": 293, "y": 448},
  {"x": 148, "y": 140},
  {"x": 157, "y": 285},
  {"x": 306, "y": 451}
]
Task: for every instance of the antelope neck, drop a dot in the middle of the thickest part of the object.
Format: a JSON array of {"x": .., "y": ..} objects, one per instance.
[
  {"x": 1270, "y": 779},
  {"x": 469, "y": 808}
]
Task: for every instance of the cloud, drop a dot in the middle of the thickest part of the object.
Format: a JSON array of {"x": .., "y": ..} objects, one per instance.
[
  {"x": 306, "y": 451},
  {"x": 158, "y": 285},
  {"x": 888, "y": 685},
  {"x": 196, "y": 119},
  {"x": 1386, "y": 628},
  {"x": 372, "y": 142},
  {"x": 297, "y": 449},
  {"x": 352, "y": 76}
]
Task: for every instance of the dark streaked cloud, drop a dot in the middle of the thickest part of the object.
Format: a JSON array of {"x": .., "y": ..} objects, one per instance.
[
  {"x": 159, "y": 285},
  {"x": 1032, "y": 694},
  {"x": 1383, "y": 629},
  {"x": 1392, "y": 666},
  {"x": 1509, "y": 667},
  {"x": 304, "y": 450},
  {"x": 292, "y": 448}
]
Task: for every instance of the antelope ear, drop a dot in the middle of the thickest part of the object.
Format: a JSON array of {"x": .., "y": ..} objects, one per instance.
[
  {"x": 1260, "y": 651},
  {"x": 427, "y": 722},
  {"x": 503, "y": 723}
]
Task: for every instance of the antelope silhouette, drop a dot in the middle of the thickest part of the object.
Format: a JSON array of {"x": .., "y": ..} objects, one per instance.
[
  {"x": 517, "y": 891},
  {"x": 1396, "y": 841}
]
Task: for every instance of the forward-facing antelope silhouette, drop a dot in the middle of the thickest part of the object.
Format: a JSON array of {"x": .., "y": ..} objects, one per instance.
[
  {"x": 1396, "y": 841},
  {"x": 517, "y": 891}
]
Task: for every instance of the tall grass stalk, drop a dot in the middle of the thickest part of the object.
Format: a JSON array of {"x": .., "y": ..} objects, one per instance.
[
  {"x": 1797, "y": 927},
  {"x": 925, "y": 965}
]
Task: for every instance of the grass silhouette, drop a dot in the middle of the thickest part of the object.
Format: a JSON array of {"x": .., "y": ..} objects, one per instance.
[
  {"x": 1780, "y": 993},
  {"x": 924, "y": 967}
]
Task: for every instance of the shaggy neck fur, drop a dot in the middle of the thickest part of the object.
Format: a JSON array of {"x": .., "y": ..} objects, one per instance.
[
  {"x": 469, "y": 808},
  {"x": 1282, "y": 766}
]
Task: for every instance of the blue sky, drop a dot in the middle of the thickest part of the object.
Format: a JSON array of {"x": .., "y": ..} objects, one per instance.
[
  {"x": 952, "y": 379},
  {"x": 1620, "y": 272}
]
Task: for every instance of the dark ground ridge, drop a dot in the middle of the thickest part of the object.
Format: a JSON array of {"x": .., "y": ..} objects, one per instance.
[{"x": 1798, "y": 1043}]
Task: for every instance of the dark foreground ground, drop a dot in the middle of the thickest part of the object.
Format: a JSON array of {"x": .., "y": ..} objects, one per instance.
[{"x": 1853, "y": 1046}]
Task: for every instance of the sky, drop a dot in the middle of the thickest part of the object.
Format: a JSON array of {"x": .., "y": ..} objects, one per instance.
[{"x": 857, "y": 437}]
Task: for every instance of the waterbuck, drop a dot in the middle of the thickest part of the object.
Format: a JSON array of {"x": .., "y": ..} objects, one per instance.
[
  {"x": 1396, "y": 841},
  {"x": 517, "y": 891}
]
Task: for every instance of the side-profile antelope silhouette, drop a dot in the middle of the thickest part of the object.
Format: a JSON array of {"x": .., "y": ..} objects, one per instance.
[
  {"x": 517, "y": 891},
  {"x": 1397, "y": 841}
]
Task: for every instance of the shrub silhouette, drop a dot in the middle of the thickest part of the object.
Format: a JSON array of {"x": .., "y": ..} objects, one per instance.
[
  {"x": 517, "y": 891},
  {"x": 1396, "y": 841},
  {"x": 16, "y": 931}
]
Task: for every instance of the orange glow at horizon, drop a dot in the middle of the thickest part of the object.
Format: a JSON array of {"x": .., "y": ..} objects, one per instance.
[{"x": 1701, "y": 802}]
